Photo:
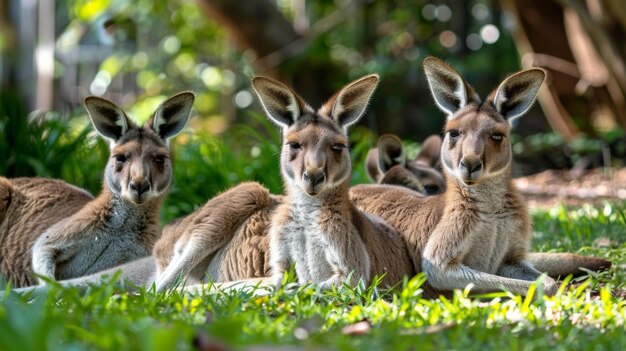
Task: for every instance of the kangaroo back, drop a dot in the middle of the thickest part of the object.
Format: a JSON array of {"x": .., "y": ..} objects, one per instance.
[{"x": 33, "y": 205}]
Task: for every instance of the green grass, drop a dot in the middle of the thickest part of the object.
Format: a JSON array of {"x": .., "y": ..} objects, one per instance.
[{"x": 588, "y": 313}]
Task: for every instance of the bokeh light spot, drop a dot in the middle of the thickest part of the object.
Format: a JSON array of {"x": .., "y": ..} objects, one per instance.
[
  {"x": 448, "y": 39},
  {"x": 474, "y": 42},
  {"x": 489, "y": 33}
]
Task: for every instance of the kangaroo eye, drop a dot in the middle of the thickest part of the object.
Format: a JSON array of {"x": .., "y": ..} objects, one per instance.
[
  {"x": 159, "y": 159},
  {"x": 453, "y": 133},
  {"x": 338, "y": 147},
  {"x": 294, "y": 146},
  {"x": 120, "y": 159},
  {"x": 497, "y": 137}
]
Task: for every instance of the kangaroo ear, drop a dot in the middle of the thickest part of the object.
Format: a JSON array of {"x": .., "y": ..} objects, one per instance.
[
  {"x": 390, "y": 152},
  {"x": 449, "y": 89},
  {"x": 371, "y": 165},
  {"x": 348, "y": 105},
  {"x": 281, "y": 104},
  {"x": 430, "y": 152},
  {"x": 107, "y": 118},
  {"x": 172, "y": 115},
  {"x": 517, "y": 93}
]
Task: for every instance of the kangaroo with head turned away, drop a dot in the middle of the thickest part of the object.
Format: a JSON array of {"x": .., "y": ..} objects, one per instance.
[
  {"x": 478, "y": 231},
  {"x": 58, "y": 231},
  {"x": 387, "y": 163}
]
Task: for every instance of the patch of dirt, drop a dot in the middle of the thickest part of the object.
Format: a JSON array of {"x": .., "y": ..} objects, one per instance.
[{"x": 550, "y": 187}]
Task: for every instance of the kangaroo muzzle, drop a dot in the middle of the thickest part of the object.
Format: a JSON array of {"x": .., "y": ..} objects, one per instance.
[
  {"x": 313, "y": 179},
  {"x": 470, "y": 169}
]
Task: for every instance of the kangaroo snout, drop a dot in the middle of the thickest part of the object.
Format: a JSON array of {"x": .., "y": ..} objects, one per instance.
[
  {"x": 140, "y": 187},
  {"x": 314, "y": 177},
  {"x": 470, "y": 169}
]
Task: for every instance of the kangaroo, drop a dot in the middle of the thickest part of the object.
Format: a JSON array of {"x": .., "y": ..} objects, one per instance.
[
  {"x": 388, "y": 164},
  {"x": 317, "y": 227},
  {"x": 57, "y": 231},
  {"x": 314, "y": 225},
  {"x": 478, "y": 231}
]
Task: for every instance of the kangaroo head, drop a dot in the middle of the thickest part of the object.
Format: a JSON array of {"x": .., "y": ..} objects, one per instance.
[
  {"x": 315, "y": 155},
  {"x": 388, "y": 164},
  {"x": 139, "y": 168},
  {"x": 476, "y": 143}
]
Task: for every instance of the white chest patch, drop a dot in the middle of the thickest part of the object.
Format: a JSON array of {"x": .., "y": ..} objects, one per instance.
[{"x": 315, "y": 258}]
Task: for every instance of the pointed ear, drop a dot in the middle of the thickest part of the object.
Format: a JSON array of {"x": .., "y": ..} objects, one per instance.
[
  {"x": 517, "y": 93},
  {"x": 430, "y": 151},
  {"x": 281, "y": 104},
  {"x": 348, "y": 104},
  {"x": 390, "y": 152},
  {"x": 449, "y": 89},
  {"x": 107, "y": 118},
  {"x": 371, "y": 165},
  {"x": 172, "y": 115}
]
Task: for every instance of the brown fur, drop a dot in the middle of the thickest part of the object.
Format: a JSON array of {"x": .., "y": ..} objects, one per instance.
[
  {"x": 207, "y": 229},
  {"x": 31, "y": 205}
]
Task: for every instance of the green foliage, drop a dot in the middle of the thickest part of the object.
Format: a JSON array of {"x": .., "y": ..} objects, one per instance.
[
  {"x": 205, "y": 165},
  {"x": 46, "y": 145}
]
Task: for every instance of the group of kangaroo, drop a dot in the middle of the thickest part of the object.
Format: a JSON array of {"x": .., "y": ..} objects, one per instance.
[{"x": 452, "y": 212}]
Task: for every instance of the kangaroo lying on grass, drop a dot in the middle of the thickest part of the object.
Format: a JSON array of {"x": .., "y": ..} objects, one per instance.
[
  {"x": 314, "y": 225},
  {"x": 478, "y": 231},
  {"x": 59, "y": 231},
  {"x": 388, "y": 164}
]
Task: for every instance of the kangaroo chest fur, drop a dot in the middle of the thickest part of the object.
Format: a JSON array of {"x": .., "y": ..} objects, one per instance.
[
  {"x": 115, "y": 241},
  {"x": 495, "y": 231},
  {"x": 310, "y": 240}
]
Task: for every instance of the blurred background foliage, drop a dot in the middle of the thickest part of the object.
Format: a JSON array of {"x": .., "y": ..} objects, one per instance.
[{"x": 135, "y": 53}]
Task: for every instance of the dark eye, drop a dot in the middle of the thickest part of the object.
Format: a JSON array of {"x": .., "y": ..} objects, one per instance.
[
  {"x": 497, "y": 137},
  {"x": 120, "y": 159},
  {"x": 159, "y": 159},
  {"x": 294, "y": 146},
  {"x": 453, "y": 133},
  {"x": 338, "y": 147}
]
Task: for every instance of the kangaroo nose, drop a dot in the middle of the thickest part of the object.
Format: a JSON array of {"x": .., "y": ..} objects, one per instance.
[
  {"x": 140, "y": 187},
  {"x": 314, "y": 178},
  {"x": 471, "y": 166}
]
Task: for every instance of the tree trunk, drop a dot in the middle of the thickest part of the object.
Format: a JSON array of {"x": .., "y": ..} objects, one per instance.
[{"x": 258, "y": 25}]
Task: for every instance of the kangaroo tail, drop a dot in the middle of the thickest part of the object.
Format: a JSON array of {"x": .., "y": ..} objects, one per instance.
[{"x": 563, "y": 264}]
